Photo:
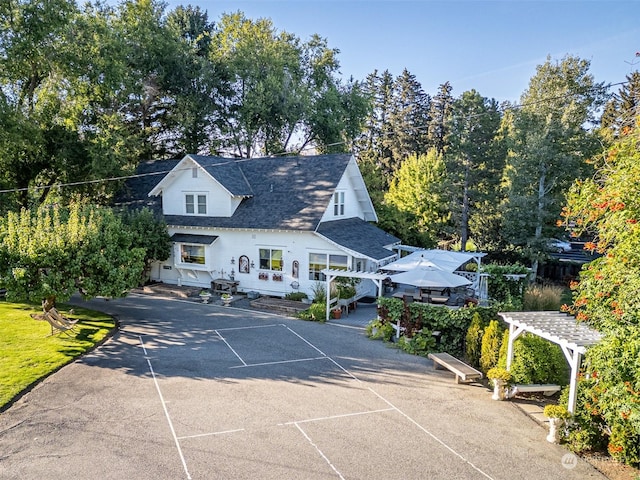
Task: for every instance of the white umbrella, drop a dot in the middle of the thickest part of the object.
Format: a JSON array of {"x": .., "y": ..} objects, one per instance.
[
  {"x": 430, "y": 277},
  {"x": 444, "y": 259}
]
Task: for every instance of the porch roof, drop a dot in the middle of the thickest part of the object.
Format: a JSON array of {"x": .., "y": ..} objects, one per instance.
[{"x": 190, "y": 238}]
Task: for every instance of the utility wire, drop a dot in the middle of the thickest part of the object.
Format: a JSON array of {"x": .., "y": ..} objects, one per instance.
[{"x": 164, "y": 172}]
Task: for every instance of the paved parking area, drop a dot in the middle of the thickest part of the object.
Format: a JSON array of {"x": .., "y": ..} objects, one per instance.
[{"x": 187, "y": 390}]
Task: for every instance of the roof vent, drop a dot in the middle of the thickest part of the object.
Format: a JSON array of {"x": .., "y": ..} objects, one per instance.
[{"x": 271, "y": 188}]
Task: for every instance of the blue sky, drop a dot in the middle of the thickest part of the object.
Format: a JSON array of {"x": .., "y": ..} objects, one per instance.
[{"x": 490, "y": 46}]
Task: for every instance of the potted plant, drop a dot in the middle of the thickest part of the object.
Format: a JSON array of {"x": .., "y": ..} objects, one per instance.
[
  {"x": 501, "y": 379},
  {"x": 557, "y": 415},
  {"x": 226, "y": 299},
  {"x": 336, "y": 313},
  {"x": 205, "y": 295}
]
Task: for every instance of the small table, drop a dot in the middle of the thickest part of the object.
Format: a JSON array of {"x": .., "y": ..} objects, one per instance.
[{"x": 221, "y": 285}]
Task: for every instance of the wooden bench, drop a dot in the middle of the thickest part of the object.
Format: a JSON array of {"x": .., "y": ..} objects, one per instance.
[
  {"x": 547, "y": 390},
  {"x": 463, "y": 372}
]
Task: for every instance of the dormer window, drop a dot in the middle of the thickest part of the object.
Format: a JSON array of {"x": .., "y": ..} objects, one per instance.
[
  {"x": 195, "y": 204},
  {"x": 338, "y": 204},
  {"x": 194, "y": 172}
]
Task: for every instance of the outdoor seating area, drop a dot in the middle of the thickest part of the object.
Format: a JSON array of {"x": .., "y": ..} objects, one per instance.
[{"x": 58, "y": 322}]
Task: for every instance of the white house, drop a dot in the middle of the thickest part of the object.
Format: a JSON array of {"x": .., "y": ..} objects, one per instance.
[{"x": 270, "y": 224}]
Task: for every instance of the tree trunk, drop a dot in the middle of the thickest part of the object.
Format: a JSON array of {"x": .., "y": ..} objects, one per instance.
[
  {"x": 464, "y": 227},
  {"x": 48, "y": 303}
]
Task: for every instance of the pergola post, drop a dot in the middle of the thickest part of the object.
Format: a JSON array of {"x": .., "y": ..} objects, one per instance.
[{"x": 514, "y": 332}]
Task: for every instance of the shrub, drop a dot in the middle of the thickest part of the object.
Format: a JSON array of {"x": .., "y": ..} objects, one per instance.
[
  {"x": 316, "y": 312},
  {"x": 473, "y": 340},
  {"x": 536, "y": 360},
  {"x": 379, "y": 329},
  {"x": 296, "y": 296},
  {"x": 319, "y": 293},
  {"x": 490, "y": 349},
  {"x": 585, "y": 433},
  {"x": 624, "y": 443},
  {"x": 504, "y": 347},
  {"x": 545, "y": 297},
  {"x": 421, "y": 343},
  {"x": 499, "y": 373},
  {"x": 556, "y": 411}
]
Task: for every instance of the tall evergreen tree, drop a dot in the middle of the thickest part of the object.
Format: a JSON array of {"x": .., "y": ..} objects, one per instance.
[
  {"x": 440, "y": 113},
  {"x": 473, "y": 162},
  {"x": 623, "y": 110},
  {"x": 549, "y": 145}
]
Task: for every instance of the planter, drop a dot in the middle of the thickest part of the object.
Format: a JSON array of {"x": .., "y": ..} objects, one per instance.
[
  {"x": 226, "y": 301},
  {"x": 501, "y": 389},
  {"x": 205, "y": 297},
  {"x": 554, "y": 429},
  {"x": 337, "y": 313}
]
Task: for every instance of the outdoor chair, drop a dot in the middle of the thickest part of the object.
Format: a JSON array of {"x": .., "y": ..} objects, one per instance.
[{"x": 58, "y": 322}]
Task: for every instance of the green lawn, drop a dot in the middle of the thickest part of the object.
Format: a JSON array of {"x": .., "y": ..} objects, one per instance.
[{"x": 28, "y": 353}]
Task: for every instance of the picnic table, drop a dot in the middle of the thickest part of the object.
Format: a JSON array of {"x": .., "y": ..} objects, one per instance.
[{"x": 221, "y": 285}]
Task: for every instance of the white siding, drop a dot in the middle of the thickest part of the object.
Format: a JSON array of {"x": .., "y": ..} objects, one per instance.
[
  {"x": 219, "y": 202},
  {"x": 352, "y": 206},
  {"x": 235, "y": 243}
]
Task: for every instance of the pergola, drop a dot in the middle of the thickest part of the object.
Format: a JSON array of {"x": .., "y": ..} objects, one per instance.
[
  {"x": 559, "y": 328},
  {"x": 332, "y": 274}
]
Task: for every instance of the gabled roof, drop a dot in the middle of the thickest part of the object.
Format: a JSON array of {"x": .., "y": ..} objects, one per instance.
[
  {"x": 225, "y": 171},
  {"x": 289, "y": 193},
  {"x": 359, "y": 236},
  {"x": 134, "y": 193}
]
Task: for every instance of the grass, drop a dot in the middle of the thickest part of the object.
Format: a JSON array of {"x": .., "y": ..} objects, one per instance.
[
  {"x": 545, "y": 297},
  {"x": 27, "y": 352}
]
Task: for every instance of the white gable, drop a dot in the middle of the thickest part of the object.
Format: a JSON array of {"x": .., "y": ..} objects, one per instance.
[
  {"x": 351, "y": 198},
  {"x": 189, "y": 190}
]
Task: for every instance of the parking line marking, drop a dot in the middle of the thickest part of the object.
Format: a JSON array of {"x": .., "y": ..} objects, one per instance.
[
  {"x": 305, "y": 340},
  {"x": 230, "y": 347},
  {"x": 318, "y": 450},
  {"x": 212, "y": 433},
  {"x": 344, "y": 415},
  {"x": 166, "y": 413},
  {"x": 278, "y": 362}
]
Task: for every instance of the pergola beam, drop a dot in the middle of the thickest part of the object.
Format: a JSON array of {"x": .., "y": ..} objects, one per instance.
[{"x": 559, "y": 328}]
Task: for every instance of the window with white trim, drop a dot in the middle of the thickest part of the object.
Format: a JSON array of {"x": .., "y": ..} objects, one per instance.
[
  {"x": 320, "y": 261},
  {"x": 192, "y": 254},
  {"x": 338, "y": 204},
  {"x": 195, "y": 204},
  {"x": 271, "y": 259}
]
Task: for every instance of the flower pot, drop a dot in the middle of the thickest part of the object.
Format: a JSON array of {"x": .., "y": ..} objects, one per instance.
[
  {"x": 499, "y": 389},
  {"x": 337, "y": 313},
  {"x": 554, "y": 429},
  {"x": 205, "y": 298},
  {"x": 226, "y": 301}
]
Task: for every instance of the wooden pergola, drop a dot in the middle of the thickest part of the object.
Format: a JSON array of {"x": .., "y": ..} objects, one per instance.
[
  {"x": 560, "y": 328},
  {"x": 332, "y": 274}
]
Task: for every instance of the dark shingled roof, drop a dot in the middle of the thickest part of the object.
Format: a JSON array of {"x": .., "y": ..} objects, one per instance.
[
  {"x": 289, "y": 193},
  {"x": 359, "y": 236},
  {"x": 134, "y": 194},
  {"x": 189, "y": 238}
]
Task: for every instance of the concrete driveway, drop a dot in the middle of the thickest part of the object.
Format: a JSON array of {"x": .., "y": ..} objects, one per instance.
[{"x": 187, "y": 390}]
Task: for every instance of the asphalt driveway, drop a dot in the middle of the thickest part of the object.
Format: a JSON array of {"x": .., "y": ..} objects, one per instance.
[{"x": 187, "y": 390}]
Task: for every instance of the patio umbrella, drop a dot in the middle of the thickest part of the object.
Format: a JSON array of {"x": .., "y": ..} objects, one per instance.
[
  {"x": 444, "y": 259},
  {"x": 430, "y": 276}
]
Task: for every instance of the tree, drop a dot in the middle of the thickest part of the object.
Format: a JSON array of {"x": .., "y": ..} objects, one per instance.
[
  {"x": 440, "y": 111},
  {"x": 284, "y": 93},
  {"x": 474, "y": 164},
  {"x": 549, "y": 144},
  {"x": 149, "y": 232},
  {"x": 607, "y": 206},
  {"x": 417, "y": 200},
  {"x": 49, "y": 253},
  {"x": 623, "y": 110}
]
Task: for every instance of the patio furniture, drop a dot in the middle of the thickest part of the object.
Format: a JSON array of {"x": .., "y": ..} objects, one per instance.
[
  {"x": 58, "y": 322},
  {"x": 221, "y": 285},
  {"x": 464, "y": 373}
]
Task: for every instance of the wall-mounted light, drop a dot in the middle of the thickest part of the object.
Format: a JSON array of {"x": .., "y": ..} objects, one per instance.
[{"x": 233, "y": 261}]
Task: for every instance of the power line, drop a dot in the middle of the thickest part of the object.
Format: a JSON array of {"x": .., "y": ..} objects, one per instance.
[{"x": 164, "y": 172}]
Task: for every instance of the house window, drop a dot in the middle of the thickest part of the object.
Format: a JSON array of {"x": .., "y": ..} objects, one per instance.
[
  {"x": 194, "y": 172},
  {"x": 320, "y": 261},
  {"x": 338, "y": 204},
  {"x": 317, "y": 263},
  {"x": 271, "y": 259},
  {"x": 195, "y": 203},
  {"x": 192, "y": 254}
]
